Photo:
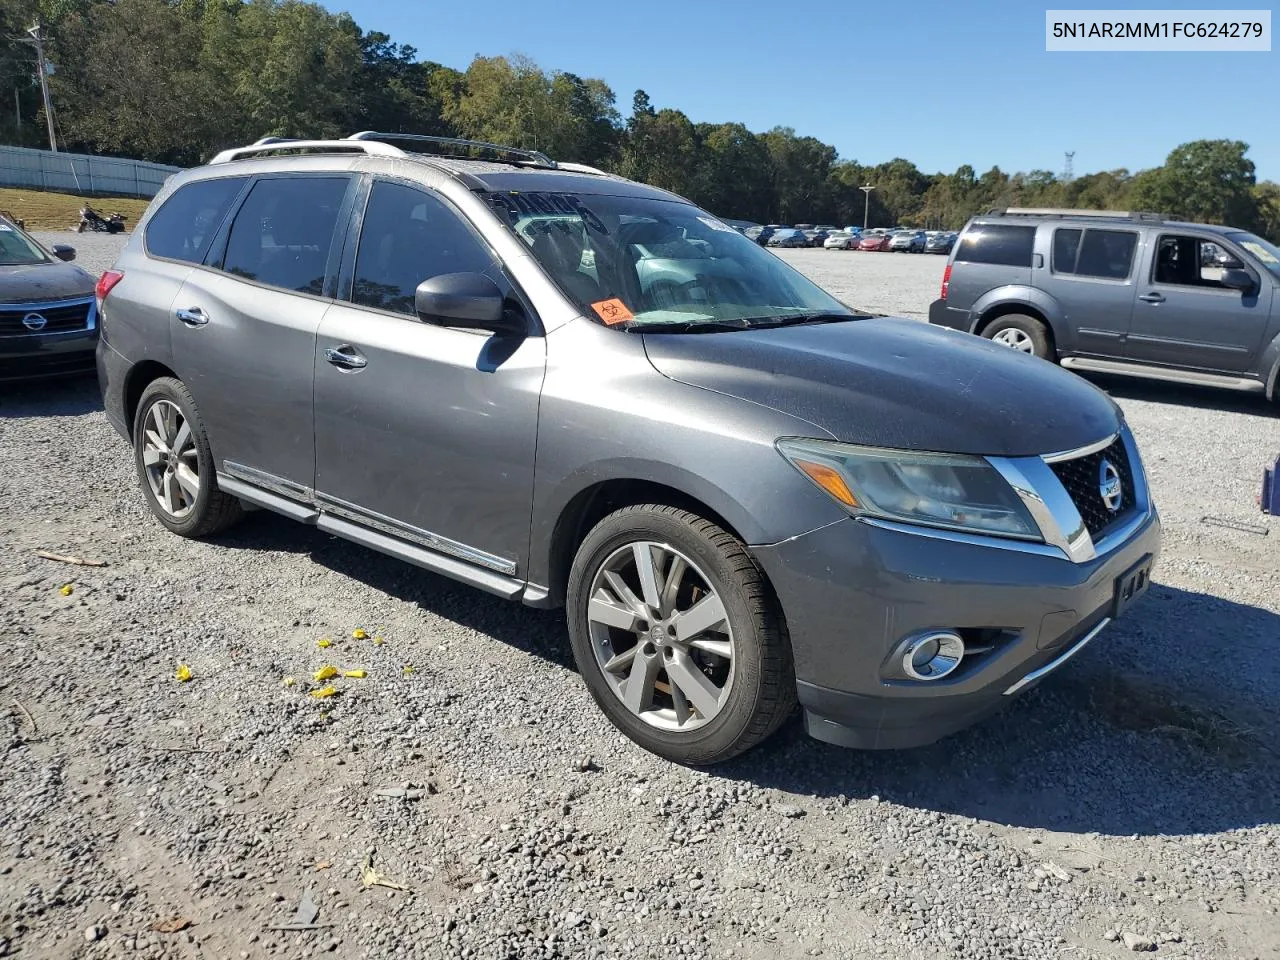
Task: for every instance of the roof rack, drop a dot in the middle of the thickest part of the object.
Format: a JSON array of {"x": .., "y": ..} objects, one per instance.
[
  {"x": 532, "y": 156},
  {"x": 1067, "y": 212},
  {"x": 278, "y": 144}
]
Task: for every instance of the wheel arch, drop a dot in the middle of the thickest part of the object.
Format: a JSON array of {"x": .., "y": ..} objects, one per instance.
[
  {"x": 136, "y": 382},
  {"x": 594, "y": 501},
  {"x": 1027, "y": 300}
]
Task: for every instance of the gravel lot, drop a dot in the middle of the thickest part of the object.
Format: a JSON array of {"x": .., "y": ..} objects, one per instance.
[{"x": 1131, "y": 802}]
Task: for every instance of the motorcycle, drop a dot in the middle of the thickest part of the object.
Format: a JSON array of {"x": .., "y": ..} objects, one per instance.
[{"x": 90, "y": 219}]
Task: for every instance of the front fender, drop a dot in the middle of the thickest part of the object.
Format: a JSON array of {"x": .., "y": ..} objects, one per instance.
[
  {"x": 607, "y": 414},
  {"x": 1269, "y": 368}
]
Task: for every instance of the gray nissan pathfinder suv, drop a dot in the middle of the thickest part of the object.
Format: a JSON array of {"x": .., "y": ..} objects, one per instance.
[
  {"x": 573, "y": 390},
  {"x": 1118, "y": 292}
]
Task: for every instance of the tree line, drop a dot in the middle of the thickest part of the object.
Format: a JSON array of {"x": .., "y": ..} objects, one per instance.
[{"x": 174, "y": 81}]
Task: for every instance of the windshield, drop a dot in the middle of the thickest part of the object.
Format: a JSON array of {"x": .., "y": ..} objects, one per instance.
[
  {"x": 1267, "y": 254},
  {"x": 634, "y": 262},
  {"x": 16, "y": 249}
]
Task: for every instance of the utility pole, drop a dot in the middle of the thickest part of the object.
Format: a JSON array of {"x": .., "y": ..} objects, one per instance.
[
  {"x": 866, "y": 208},
  {"x": 37, "y": 40}
]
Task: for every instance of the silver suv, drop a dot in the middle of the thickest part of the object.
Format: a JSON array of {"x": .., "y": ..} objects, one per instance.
[
  {"x": 1118, "y": 292},
  {"x": 569, "y": 389}
]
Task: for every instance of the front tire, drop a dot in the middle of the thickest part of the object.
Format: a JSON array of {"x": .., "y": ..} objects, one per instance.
[
  {"x": 677, "y": 635},
  {"x": 1022, "y": 333},
  {"x": 174, "y": 463}
]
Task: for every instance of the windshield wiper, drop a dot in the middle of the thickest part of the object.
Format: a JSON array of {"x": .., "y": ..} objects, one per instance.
[
  {"x": 689, "y": 326},
  {"x": 796, "y": 319}
]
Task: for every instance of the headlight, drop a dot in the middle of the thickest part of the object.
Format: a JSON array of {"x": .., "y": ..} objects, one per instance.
[{"x": 953, "y": 491}]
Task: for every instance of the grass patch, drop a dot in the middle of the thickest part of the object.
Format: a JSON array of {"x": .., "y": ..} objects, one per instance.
[
  {"x": 42, "y": 210},
  {"x": 1132, "y": 705}
]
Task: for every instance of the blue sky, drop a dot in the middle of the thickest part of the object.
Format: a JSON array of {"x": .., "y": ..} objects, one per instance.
[{"x": 939, "y": 83}]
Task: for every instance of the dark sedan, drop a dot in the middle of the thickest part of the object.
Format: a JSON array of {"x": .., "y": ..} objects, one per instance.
[
  {"x": 48, "y": 316},
  {"x": 939, "y": 242}
]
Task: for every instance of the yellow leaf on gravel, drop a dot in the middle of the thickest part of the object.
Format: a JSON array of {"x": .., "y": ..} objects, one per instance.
[
  {"x": 183, "y": 674},
  {"x": 354, "y": 674},
  {"x": 289, "y": 681},
  {"x": 378, "y": 641},
  {"x": 408, "y": 669},
  {"x": 324, "y": 692},
  {"x": 372, "y": 878},
  {"x": 66, "y": 589},
  {"x": 360, "y": 633},
  {"x": 324, "y": 643},
  {"x": 324, "y": 673}
]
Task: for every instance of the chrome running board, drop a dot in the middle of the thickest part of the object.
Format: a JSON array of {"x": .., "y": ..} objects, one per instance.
[{"x": 1244, "y": 384}]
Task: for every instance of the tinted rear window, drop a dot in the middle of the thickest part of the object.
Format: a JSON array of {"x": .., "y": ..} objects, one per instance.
[
  {"x": 283, "y": 232},
  {"x": 1107, "y": 254},
  {"x": 183, "y": 227},
  {"x": 997, "y": 243}
]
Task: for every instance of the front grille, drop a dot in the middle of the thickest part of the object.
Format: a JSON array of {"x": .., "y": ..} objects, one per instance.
[
  {"x": 1082, "y": 477},
  {"x": 62, "y": 317}
]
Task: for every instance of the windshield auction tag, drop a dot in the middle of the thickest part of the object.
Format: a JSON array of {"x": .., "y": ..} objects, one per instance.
[
  {"x": 717, "y": 225},
  {"x": 1259, "y": 251},
  {"x": 612, "y": 311}
]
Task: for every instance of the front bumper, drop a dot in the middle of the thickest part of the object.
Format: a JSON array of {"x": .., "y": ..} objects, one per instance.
[
  {"x": 54, "y": 355},
  {"x": 1033, "y": 607}
]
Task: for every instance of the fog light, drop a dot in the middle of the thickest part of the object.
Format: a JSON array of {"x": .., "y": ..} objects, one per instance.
[{"x": 932, "y": 656}]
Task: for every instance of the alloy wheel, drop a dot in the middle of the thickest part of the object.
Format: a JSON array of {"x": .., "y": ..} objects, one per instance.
[
  {"x": 1015, "y": 339},
  {"x": 170, "y": 460},
  {"x": 661, "y": 636}
]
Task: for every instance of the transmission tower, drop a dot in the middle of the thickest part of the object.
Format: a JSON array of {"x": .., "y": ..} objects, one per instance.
[{"x": 1067, "y": 172}]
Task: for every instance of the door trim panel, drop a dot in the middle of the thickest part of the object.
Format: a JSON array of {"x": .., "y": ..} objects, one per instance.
[
  {"x": 396, "y": 528},
  {"x": 355, "y": 513},
  {"x": 268, "y": 481}
]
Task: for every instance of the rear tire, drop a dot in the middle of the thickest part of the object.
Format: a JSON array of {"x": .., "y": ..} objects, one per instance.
[
  {"x": 695, "y": 697},
  {"x": 1023, "y": 333},
  {"x": 175, "y": 465}
]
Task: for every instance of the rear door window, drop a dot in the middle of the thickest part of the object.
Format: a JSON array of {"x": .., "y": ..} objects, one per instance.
[
  {"x": 997, "y": 243},
  {"x": 1104, "y": 254},
  {"x": 1066, "y": 244},
  {"x": 184, "y": 226},
  {"x": 284, "y": 231},
  {"x": 1107, "y": 254}
]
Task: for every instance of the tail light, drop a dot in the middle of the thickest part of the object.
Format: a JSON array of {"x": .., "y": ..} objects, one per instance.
[
  {"x": 106, "y": 282},
  {"x": 946, "y": 283}
]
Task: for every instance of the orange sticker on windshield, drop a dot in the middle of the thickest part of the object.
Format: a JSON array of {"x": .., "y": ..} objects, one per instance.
[{"x": 613, "y": 311}]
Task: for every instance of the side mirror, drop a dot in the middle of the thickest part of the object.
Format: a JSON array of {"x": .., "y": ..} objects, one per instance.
[
  {"x": 1237, "y": 280},
  {"x": 64, "y": 252},
  {"x": 468, "y": 300}
]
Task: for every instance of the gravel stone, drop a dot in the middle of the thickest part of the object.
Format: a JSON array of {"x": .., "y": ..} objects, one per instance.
[{"x": 221, "y": 799}]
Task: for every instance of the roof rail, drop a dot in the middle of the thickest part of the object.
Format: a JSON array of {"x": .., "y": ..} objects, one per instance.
[
  {"x": 533, "y": 156},
  {"x": 583, "y": 168},
  {"x": 1068, "y": 212},
  {"x": 276, "y": 144}
]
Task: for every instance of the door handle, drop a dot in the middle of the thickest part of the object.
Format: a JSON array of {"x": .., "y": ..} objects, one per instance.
[
  {"x": 191, "y": 316},
  {"x": 1152, "y": 298},
  {"x": 346, "y": 357}
]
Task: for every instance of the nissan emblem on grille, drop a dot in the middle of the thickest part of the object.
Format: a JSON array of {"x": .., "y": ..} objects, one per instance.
[
  {"x": 34, "y": 321},
  {"x": 1109, "y": 485}
]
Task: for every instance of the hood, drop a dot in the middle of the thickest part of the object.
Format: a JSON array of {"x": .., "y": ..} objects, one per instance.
[
  {"x": 44, "y": 281},
  {"x": 897, "y": 383}
]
